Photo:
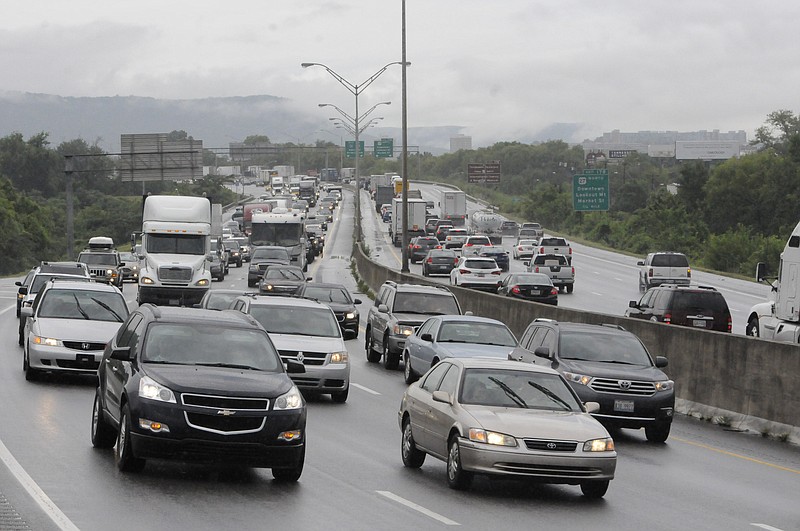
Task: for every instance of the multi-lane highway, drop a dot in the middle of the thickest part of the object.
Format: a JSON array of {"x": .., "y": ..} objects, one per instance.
[{"x": 704, "y": 477}]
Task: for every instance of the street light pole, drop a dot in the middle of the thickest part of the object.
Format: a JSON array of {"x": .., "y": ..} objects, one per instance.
[{"x": 356, "y": 90}]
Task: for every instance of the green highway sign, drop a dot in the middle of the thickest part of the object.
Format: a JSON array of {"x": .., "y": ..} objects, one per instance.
[
  {"x": 384, "y": 148},
  {"x": 590, "y": 190},
  {"x": 350, "y": 149}
]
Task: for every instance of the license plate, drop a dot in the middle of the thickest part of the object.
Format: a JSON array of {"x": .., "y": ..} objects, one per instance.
[
  {"x": 623, "y": 406},
  {"x": 481, "y": 275},
  {"x": 699, "y": 323},
  {"x": 535, "y": 292}
]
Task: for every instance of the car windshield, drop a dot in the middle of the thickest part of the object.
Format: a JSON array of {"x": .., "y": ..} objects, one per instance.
[
  {"x": 209, "y": 344},
  {"x": 287, "y": 274},
  {"x": 128, "y": 257},
  {"x": 326, "y": 294},
  {"x": 296, "y": 320},
  {"x": 517, "y": 389},
  {"x": 476, "y": 332},
  {"x": 88, "y": 305},
  {"x": 604, "y": 347},
  {"x": 271, "y": 254},
  {"x": 176, "y": 244},
  {"x": 426, "y": 303},
  {"x": 231, "y": 245},
  {"x": 98, "y": 259},
  {"x": 220, "y": 301}
]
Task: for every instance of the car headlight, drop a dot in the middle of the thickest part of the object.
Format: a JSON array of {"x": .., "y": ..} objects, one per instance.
[
  {"x": 267, "y": 287},
  {"x": 350, "y": 315},
  {"x": 47, "y": 341},
  {"x": 146, "y": 280},
  {"x": 290, "y": 400},
  {"x": 599, "y": 445},
  {"x": 665, "y": 385},
  {"x": 152, "y": 390},
  {"x": 491, "y": 437},
  {"x": 339, "y": 357},
  {"x": 578, "y": 378},
  {"x": 202, "y": 282},
  {"x": 403, "y": 330}
]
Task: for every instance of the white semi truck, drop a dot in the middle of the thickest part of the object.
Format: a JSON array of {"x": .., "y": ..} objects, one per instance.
[
  {"x": 173, "y": 266},
  {"x": 416, "y": 219},
  {"x": 453, "y": 206},
  {"x": 282, "y": 227},
  {"x": 779, "y": 319}
]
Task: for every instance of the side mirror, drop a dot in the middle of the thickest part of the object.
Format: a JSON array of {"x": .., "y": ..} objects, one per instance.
[
  {"x": 25, "y": 311},
  {"x": 640, "y": 263},
  {"x": 294, "y": 366},
  {"x": 426, "y": 337},
  {"x": 633, "y": 304},
  {"x": 442, "y": 396},
  {"x": 761, "y": 271},
  {"x": 543, "y": 352},
  {"x": 382, "y": 308},
  {"x": 23, "y": 290},
  {"x": 592, "y": 407},
  {"x": 356, "y": 301},
  {"x": 309, "y": 279},
  {"x": 661, "y": 362},
  {"x": 122, "y": 354},
  {"x": 18, "y": 283},
  {"x": 526, "y": 263},
  {"x": 468, "y": 312}
]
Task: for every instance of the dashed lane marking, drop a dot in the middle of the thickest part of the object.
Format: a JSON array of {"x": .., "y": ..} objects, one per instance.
[{"x": 418, "y": 508}]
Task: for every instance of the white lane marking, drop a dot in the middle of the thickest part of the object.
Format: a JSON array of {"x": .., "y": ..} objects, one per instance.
[
  {"x": 367, "y": 389},
  {"x": 767, "y": 527},
  {"x": 598, "y": 294},
  {"x": 418, "y": 508},
  {"x": 47, "y": 505}
]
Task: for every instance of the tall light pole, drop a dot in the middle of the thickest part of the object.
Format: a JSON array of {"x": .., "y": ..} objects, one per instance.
[
  {"x": 356, "y": 90},
  {"x": 404, "y": 157}
]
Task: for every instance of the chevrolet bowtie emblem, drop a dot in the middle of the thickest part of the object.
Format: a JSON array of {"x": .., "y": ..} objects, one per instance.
[{"x": 226, "y": 412}]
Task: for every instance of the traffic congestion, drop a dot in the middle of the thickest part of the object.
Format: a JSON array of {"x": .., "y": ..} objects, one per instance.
[{"x": 284, "y": 363}]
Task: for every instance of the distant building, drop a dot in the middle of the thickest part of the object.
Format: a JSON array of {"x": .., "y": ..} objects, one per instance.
[
  {"x": 460, "y": 142},
  {"x": 659, "y": 143}
]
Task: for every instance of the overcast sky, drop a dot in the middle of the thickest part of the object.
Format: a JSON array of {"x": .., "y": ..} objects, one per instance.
[{"x": 501, "y": 69}]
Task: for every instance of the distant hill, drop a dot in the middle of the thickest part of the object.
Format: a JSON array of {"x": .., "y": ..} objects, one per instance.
[{"x": 215, "y": 121}]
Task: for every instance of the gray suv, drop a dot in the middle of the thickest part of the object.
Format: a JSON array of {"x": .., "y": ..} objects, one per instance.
[{"x": 399, "y": 309}]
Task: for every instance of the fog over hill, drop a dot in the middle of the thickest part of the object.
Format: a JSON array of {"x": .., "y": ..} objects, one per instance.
[{"x": 215, "y": 121}]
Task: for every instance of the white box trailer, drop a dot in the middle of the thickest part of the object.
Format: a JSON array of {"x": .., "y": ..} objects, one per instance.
[{"x": 416, "y": 219}]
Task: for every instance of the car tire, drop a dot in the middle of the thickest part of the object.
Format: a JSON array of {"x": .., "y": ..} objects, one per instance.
[
  {"x": 424, "y": 272},
  {"x": 340, "y": 397},
  {"x": 594, "y": 489},
  {"x": 457, "y": 477},
  {"x": 123, "y": 450},
  {"x": 373, "y": 356},
  {"x": 642, "y": 287},
  {"x": 31, "y": 374},
  {"x": 412, "y": 456},
  {"x": 103, "y": 434},
  {"x": 408, "y": 373},
  {"x": 570, "y": 287},
  {"x": 290, "y": 475},
  {"x": 752, "y": 327},
  {"x": 658, "y": 432},
  {"x": 390, "y": 361}
]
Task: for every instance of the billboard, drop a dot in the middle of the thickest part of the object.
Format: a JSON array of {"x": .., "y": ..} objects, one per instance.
[
  {"x": 705, "y": 150},
  {"x": 151, "y": 157}
]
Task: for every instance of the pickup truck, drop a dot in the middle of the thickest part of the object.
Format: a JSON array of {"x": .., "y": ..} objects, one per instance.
[
  {"x": 555, "y": 245},
  {"x": 555, "y": 266}
]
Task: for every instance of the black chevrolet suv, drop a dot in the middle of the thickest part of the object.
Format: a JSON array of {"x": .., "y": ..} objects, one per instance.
[
  {"x": 700, "y": 307},
  {"x": 609, "y": 365},
  {"x": 398, "y": 310},
  {"x": 200, "y": 385}
]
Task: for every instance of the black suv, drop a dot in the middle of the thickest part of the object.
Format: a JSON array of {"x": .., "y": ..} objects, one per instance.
[
  {"x": 609, "y": 365},
  {"x": 398, "y": 310},
  {"x": 200, "y": 385},
  {"x": 695, "y": 306}
]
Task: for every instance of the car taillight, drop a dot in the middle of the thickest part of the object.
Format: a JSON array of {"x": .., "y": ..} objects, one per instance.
[
  {"x": 573, "y": 271},
  {"x": 515, "y": 289},
  {"x": 689, "y": 273},
  {"x": 519, "y": 248},
  {"x": 467, "y": 245},
  {"x": 496, "y": 272},
  {"x": 668, "y": 318},
  {"x": 729, "y": 323},
  {"x": 464, "y": 271},
  {"x": 438, "y": 247},
  {"x": 417, "y": 247},
  {"x": 650, "y": 272},
  {"x": 455, "y": 261},
  {"x": 429, "y": 260},
  {"x": 541, "y": 250},
  {"x": 553, "y": 291},
  {"x": 570, "y": 250}
]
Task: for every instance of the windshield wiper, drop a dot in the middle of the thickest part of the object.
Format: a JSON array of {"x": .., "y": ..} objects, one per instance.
[
  {"x": 80, "y": 309},
  {"x": 107, "y": 307},
  {"x": 550, "y": 394},
  {"x": 229, "y": 365},
  {"x": 510, "y": 392}
]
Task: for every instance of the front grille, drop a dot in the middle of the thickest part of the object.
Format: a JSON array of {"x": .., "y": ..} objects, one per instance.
[
  {"x": 226, "y": 415},
  {"x": 308, "y": 358},
  {"x": 176, "y": 274},
  {"x": 623, "y": 387},
  {"x": 225, "y": 424},
  {"x": 80, "y": 365},
  {"x": 305, "y": 381},
  {"x": 98, "y": 272},
  {"x": 339, "y": 316},
  {"x": 84, "y": 345},
  {"x": 551, "y": 446},
  {"x": 549, "y": 470}
]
